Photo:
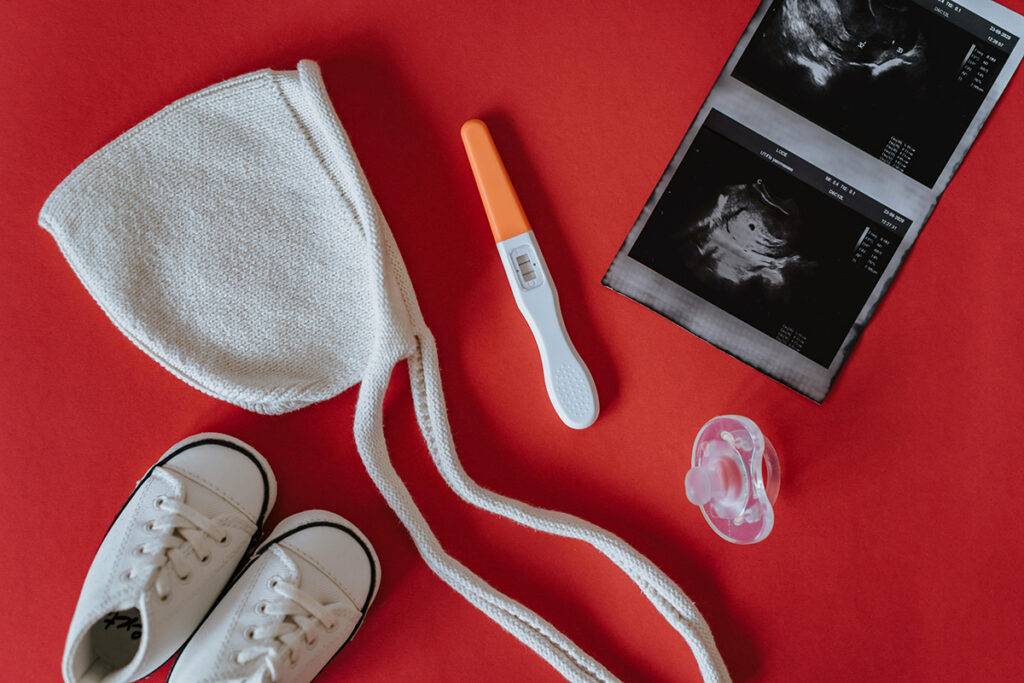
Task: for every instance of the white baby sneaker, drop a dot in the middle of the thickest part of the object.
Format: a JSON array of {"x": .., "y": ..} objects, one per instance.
[
  {"x": 297, "y": 603},
  {"x": 184, "y": 531}
]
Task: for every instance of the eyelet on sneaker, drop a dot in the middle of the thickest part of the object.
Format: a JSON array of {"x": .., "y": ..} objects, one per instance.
[
  {"x": 310, "y": 644},
  {"x": 138, "y": 551},
  {"x": 238, "y": 658},
  {"x": 223, "y": 540},
  {"x": 250, "y": 633},
  {"x": 261, "y": 608},
  {"x": 149, "y": 526},
  {"x": 164, "y": 598},
  {"x": 274, "y": 580},
  {"x": 128, "y": 575},
  {"x": 159, "y": 502},
  {"x": 205, "y": 560},
  {"x": 186, "y": 578},
  {"x": 332, "y": 628}
]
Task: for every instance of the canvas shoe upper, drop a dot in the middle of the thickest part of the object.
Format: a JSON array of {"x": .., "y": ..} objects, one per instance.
[
  {"x": 167, "y": 556},
  {"x": 295, "y": 605}
]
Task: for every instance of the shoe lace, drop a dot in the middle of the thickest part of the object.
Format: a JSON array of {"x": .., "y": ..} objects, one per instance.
[
  {"x": 279, "y": 643},
  {"x": 182, "y": 531}
]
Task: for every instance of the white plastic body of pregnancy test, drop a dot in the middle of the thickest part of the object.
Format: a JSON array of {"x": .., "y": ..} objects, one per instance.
[{"x": 569, "y": 384}]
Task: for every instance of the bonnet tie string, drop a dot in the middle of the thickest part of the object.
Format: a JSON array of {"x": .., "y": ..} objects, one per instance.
[
  {"x": 662, "y": 592},
  {"x": 533, "y": 631}
]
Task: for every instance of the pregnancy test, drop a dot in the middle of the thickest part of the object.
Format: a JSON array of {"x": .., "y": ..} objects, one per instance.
[{"x": 569, "y": 384}]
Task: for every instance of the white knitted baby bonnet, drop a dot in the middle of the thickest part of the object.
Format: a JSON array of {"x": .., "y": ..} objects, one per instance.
[{"x": 232, "y": 236}]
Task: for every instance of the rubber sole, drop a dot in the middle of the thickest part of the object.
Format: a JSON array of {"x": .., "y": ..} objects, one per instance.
[
  {"x": 296, "y": 522},
  {"x": 224, "y": 439}
]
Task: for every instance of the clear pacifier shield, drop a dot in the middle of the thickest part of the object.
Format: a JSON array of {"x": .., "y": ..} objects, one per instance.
[{"x": 734, "y": 478}]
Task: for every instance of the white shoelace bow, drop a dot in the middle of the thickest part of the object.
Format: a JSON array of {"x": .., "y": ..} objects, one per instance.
[
  {"x": 279, "y": 643},
  {"x": 182, "y": 531}
]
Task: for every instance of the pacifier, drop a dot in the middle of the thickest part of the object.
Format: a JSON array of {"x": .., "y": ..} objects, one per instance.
[{"x": 734, "y": 478}]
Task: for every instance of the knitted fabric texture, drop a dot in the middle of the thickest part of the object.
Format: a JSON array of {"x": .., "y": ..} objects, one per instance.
[{"x": 232, "y": 236}]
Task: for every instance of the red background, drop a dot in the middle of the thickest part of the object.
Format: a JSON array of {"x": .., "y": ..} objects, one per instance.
[{"x": 897, "y": 548}]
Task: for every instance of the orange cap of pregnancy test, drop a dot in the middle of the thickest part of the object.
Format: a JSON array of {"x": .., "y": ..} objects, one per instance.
[{"x": 504, "y": 212}]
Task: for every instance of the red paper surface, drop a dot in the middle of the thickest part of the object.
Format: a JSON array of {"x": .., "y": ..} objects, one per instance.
[{"x": 897, "y": 548}]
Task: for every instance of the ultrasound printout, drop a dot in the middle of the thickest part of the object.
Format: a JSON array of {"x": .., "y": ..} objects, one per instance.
[
  {"x": 809, "y": 171},
  {"x": 900, "y": 79},
  {"x": 747, "y": 226}
]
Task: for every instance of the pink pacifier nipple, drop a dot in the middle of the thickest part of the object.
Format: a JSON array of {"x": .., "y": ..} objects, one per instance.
[{"x": 734, "y": 478}]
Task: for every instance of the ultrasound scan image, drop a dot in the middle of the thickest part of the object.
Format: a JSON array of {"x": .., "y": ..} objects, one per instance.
[
  {"x": 746, "y": 240},
  {"x": 890, "y": 76},
  {"x": 762, "y": 245}
]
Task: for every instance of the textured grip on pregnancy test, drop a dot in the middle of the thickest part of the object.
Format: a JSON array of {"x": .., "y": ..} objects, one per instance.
[{"x": 574, "y": 395}]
